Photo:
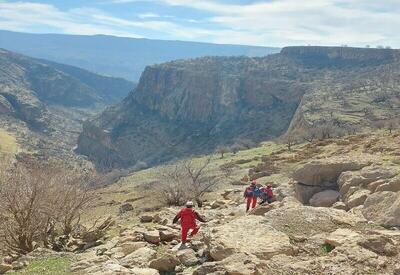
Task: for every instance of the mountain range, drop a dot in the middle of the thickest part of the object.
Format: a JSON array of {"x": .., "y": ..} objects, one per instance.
[{"x": 116, "y": 56}]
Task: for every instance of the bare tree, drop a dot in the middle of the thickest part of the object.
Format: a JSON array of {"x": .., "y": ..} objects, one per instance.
[
  {"x": 391, "y": 124},
  {"x": 222, "y": 150},
  {"x": 290, "y": 139},
  {"x": 188, "y": 179}
]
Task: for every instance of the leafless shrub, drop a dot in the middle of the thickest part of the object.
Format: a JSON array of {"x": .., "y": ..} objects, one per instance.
[
  {"x": 37, "y": 203},
  {"x": 188, "y": 179}
]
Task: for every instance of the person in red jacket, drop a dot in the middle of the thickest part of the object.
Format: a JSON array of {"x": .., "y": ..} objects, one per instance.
[
  {"x": 267, "y": 194},
  {"x": 251, "y": 194},
  {"x": 188, "y": 217}
]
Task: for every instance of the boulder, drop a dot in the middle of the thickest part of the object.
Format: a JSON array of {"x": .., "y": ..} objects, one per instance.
[
  {"x": 393, "y": 185},
  {"x": 383, "y": 208},
  {"x": 377, "y": 172},
  {"x": 5, "y": 267},
  {"x": 168, "y": 235},
  {"x": 166, "y": 263},
  {"x": 187, "y": 257},
  {"x": 152, "y": 237},
  {"x": 141, "y": 257},
  {"x": 146, "y": 218},
  {"x": 325, "y": 198},
  {"x": 379, "y": 244},
  {"x": 233, "y": 237},
  {"x": 126, "y": 207},
  {"x": 144, "y": 271},
  {"x": 342, "y": 236},
  {"x": 129, "y": 247},
  {"x": 357, "y": 198}
]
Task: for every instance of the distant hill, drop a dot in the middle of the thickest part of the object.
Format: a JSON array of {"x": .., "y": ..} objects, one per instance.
[
  {"x": 44, "y": 103},
  {"x": 193, "y": 106},
  {"x": 116, "y": 56}
]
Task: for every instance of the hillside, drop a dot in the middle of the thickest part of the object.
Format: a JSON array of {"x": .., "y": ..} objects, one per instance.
[
  {"x": 194, "y": 106},
  {"x": 44, "y": 103},
  {"x": 116, "y": 56},
  {"x": 349, "y": 226}
]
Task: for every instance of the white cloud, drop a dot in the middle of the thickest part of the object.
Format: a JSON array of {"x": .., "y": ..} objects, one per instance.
[{"x": 268, "y": 23}]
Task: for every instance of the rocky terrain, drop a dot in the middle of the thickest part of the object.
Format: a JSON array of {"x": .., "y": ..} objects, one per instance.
[
  {"x": 194, "y": 106},
  {"x": 336, "y": 212},
  {"x": 44, "y": 103}
]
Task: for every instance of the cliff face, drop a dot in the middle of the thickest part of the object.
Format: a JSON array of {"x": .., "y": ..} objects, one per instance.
[
  {"x": 43, "y": 102},
  {"x": 192, "y": 106}
]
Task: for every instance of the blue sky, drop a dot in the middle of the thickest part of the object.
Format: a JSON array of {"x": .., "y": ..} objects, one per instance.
[{"x": 267, "y": 23}]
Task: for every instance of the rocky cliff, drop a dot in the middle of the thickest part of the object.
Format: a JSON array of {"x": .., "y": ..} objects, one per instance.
[
  {"x": 43, "y": 101},
  {"x": 192, "y": 106}
]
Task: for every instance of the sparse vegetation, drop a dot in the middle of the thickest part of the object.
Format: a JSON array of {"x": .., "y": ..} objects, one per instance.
[{"x": 39, "y": 202}]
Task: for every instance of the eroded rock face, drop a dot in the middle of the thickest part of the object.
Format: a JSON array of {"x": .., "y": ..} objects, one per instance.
[
  {"x": 383, "y": 208},
  {"x": 320, "y": 175}
]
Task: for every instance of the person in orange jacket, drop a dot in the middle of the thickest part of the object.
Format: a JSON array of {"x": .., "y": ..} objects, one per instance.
[
  {"x": 188, "y": 217},
  {"x": 251, "y": 194}
]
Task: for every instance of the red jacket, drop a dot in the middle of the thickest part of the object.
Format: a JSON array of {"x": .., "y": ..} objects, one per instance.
[
  {"x": 188, "y": 217},
  {"x": 267, "y": 191}
]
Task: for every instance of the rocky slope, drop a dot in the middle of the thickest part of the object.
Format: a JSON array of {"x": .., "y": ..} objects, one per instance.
[
  {"x": 305, "y": 231},
  {"x": 116, "y": 56},
  {"x": 193, "y": 106},
  {"x": 44, "y": 103}
]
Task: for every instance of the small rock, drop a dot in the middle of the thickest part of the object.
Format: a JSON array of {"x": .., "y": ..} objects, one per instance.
[
  {"x": 340, "y": 205},
  {"x": 146, "y": 218},
  {"x": 144, "y": 271},
  {"x": 126, "y": 207},
  {"x": 152, "y": 237}
]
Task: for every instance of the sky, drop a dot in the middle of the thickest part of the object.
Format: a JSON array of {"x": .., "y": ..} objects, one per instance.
[{"x": 251, "y": 22}]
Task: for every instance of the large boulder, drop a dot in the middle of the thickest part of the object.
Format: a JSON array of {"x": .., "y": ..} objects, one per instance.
[
  {"x": 187, "y": 257},
  {"x": 325, "y": 198},
  {"x": 141, "y": 257},
  {"x": 383, "y": 208},
  {"x": 166, "y": 263},
  {"x": 238, "y": 235}
]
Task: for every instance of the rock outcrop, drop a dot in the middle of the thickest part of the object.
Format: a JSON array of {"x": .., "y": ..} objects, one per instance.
[{"x": 191, "y": 107}]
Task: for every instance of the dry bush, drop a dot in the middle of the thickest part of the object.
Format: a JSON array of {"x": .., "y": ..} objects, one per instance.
[
  {"x": 38, "y": 203},
  {"x": 186, "y": 180}
]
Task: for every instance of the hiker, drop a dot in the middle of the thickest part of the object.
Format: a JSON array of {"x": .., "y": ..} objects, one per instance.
[
  {"x": 251, "y": 193},
  {"x": 188, "y": 217},
  {"x": 266, "y": 194}
]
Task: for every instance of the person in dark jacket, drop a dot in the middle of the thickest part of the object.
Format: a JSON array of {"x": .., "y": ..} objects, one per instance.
[
  {"x": 251, "y": 194},
  {"x": 188, "y": 217}
]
